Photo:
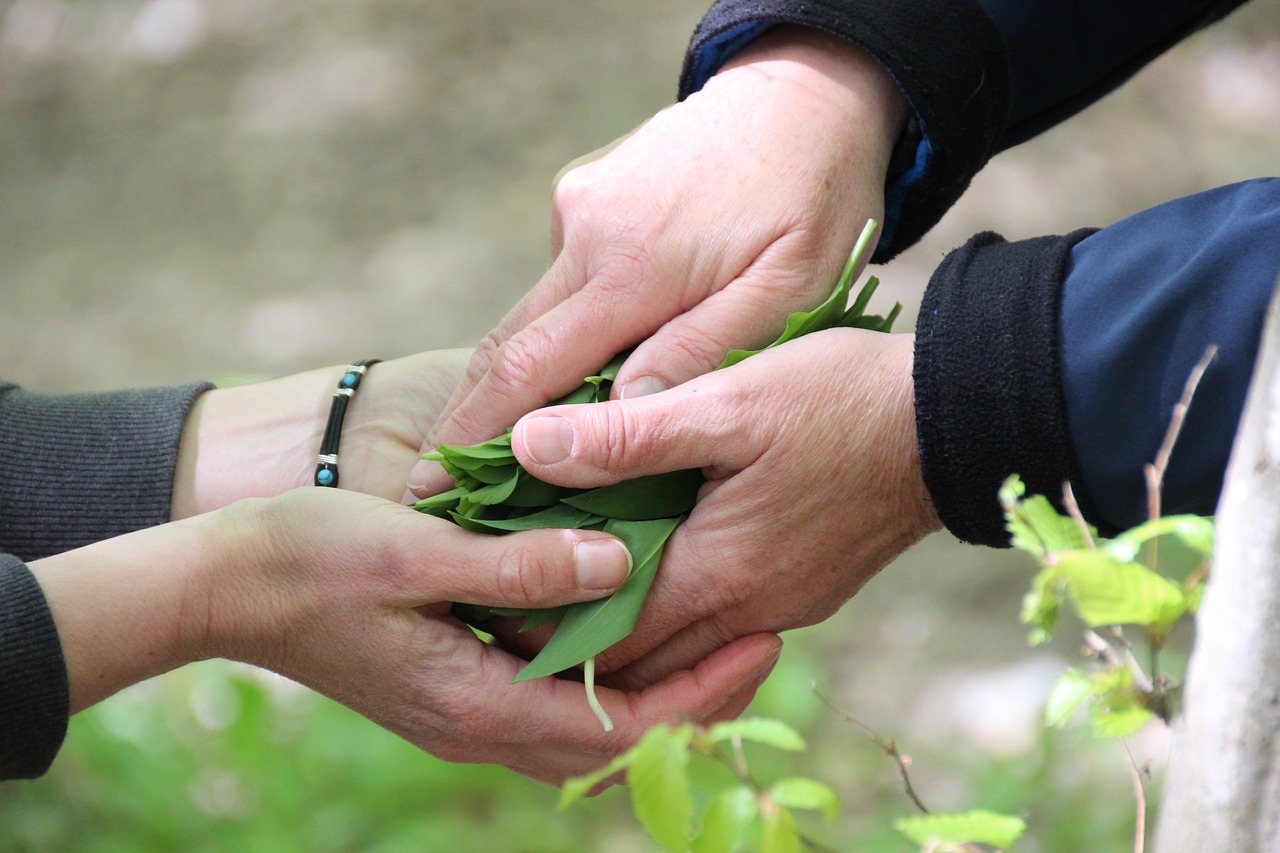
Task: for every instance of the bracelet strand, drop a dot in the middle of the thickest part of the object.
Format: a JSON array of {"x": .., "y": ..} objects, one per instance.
[{"x": 327, "y": 460}]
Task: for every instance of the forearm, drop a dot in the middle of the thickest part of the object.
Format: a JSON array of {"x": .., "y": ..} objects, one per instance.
[
  {"x": 78, "y": 468},
  {"x": 125, "y": 609}
]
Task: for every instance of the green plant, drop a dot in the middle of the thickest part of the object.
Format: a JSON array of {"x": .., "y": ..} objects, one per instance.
[{"x": 493, "y": 494}]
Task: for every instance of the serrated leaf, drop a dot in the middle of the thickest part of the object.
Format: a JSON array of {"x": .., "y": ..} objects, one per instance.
[
  {"x": 589, "y": 628},
  {"x": 807, "y": 794},
  {"x": 1120, "y": 722},
  {"x": 1107, "y": 591},
  {"x": 973, "y": 827},
  {"x": 1034, "y": 525},
  {"x": 1195, "y": 531},
  {"x": 659, "y": 780},
  {"x": 643, "y": 498},
  {"x": 1042, "y": 605},
  {"x": 577, "y": 787},
  {"x": 1071, "y": 690},
  {"x": 726, "y": 820},
  {"x": 778, "y": 831},
  {"x": 763, "y": 730}
]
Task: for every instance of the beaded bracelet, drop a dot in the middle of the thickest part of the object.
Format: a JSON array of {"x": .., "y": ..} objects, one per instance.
[{"x": 327, "y": 469}]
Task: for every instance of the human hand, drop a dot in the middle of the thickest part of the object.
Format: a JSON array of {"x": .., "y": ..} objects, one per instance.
[
  {"x": 813, "y": 485},
  {"x": 261, "y": 440},
  {"x": 696, "y": 234},
  {"x": 349, "y": 595}
]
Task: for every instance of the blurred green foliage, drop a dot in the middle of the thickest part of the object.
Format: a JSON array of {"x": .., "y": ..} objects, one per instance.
[{"x": 221, "y": 757}]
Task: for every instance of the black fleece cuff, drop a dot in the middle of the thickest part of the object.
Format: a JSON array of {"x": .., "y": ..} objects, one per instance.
[
  {"x": 988, "y": 390},
  {"x": 79, "y": 468},
  {"x": 948, "y": 58},
  {"x": 34, "y": 696}
]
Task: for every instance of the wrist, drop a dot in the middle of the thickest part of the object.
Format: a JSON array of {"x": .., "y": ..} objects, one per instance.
[
  {"x": 247, "y": 441},
  {"x": 834, "y": 70}
]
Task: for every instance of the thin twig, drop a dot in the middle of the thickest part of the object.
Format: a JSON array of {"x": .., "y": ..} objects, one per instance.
[
  {"x": 1073, "y": 510},
  {"x": 1155, "y": 471},
  {"x": 1105, "y": 650},
  {"x": 887, "y": 746},
  {"x": 1136, "y": 773}
]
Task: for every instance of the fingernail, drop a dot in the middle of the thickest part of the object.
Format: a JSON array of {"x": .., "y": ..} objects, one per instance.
[
  {"x": 422, "y": 474},
  {"x": 601, "y": 563},
  {"x": 548, "y": 440},
  {"x": 643, "y": 387}
]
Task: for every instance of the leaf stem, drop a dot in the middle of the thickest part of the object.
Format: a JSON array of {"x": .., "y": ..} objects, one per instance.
[{"x": 589, "y": 680}]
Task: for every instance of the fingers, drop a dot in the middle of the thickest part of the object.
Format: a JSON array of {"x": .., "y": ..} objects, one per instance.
[
  {"x": 536, "y": 568},
  {"x": 556, "y": 735},
  {"x": 686, "y": 427},
  {"x": 749, "y": 313}
]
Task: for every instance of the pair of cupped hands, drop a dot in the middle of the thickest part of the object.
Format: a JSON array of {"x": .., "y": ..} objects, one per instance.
[{"x": 696, "y": 234}]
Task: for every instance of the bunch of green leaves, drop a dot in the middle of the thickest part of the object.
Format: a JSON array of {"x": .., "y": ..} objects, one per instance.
[
  {"x": 738, "y": 810},
  {"x": 494, "y": 494},
  {"x": 1150, "y": 577}
]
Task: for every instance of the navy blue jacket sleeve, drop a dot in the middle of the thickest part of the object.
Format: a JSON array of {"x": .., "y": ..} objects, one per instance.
[
  {"x": 979, "y": 75},
  {"x": 1061, "y": 358}
]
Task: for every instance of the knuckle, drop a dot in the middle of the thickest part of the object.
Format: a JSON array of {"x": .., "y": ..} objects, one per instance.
[
  {"x": 516, "y": 361},
  {"x": 522, "y": 574}
]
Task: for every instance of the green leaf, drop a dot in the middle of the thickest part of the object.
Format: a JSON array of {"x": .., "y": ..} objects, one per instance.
[
  {"x": 1107, "y": 591},
  {"x": 1118, "y": 723},
  {"x": 439, "y": 505},
  {"x": 644, "y": 498},
  {"x": 726, "y": 820},
  {"x": 495, "y": 448},
  {"x": 779, "y": 833},
  {"x": 832, "y": 312},
  {"x": 1071, "y": 689},
  {"x": 1042, "y": 605},
  {"x": 494, "y": 493},
  {"x": 1195, "y": 531},
  {"x": 543, "y": 616},
  {"x": 532, "y": 492},
  {"x": 807, "y": 794},
  {"x": 1034, "y": 525},
  {"x": 589, "y": 628},
  {"x": 577, "y": 787},
  {"x": 974, "y": 827},
  {"x": 559, "y": 516},
  {"x": 764, "y": 730},
  {"x": 659, "y": 782}
]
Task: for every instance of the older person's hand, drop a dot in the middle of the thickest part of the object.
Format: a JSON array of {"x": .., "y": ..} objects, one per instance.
[
  {"x": 696, "y": 234},
  {"x": 813, "y": 486}
]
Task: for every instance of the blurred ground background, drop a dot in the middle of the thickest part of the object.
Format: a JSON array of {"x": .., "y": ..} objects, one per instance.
[{"x": 252, "y": 187}]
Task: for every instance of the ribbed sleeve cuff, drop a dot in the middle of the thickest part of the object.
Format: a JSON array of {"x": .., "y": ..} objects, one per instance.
[
  {"x": 34, "y": 696},
  {"x": 79, "y": 468},
  {"x": 946, "y": 55},
  {"x": 988, "y": 389}
]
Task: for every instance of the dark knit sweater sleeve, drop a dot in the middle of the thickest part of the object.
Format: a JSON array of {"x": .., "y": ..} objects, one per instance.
[
  {"x": 34, "y": 699},
  {"x": 988, "y": 394},
  {"x": 79, "y": 468},
  {"x": 946, "y": 55}
]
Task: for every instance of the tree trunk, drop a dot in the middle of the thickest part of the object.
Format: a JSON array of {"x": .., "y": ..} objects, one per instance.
[{"x": 1222, "y": 792}]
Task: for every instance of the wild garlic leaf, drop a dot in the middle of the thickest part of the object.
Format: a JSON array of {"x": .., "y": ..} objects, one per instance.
[
  {"x": 643, "y": 498},
  {"x": 590, "y": 627}
]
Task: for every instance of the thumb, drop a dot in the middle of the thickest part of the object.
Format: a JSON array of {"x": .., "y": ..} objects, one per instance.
[{"x": 709, "y": 423}]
